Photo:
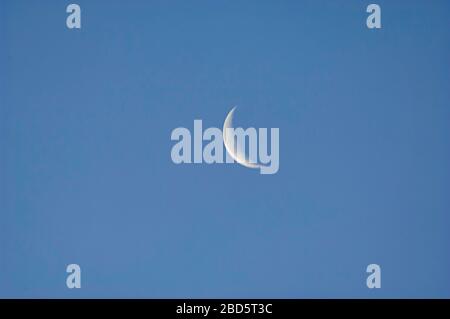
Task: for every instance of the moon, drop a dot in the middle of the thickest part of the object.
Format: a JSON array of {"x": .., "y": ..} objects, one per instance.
[{"x": 238, "y": 156}]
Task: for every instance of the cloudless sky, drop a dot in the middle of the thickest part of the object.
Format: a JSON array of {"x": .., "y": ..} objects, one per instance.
[{"x": 86, "y": 175}]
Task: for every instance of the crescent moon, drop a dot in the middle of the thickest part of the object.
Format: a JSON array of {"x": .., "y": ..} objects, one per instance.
[{"x": 238, "y": 156}]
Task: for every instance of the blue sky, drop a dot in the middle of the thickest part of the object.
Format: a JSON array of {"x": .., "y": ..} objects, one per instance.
[{"x": 86, "y": 175}]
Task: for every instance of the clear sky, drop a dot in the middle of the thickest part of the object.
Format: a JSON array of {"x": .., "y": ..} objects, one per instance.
[{"x": 86, "y": 175}]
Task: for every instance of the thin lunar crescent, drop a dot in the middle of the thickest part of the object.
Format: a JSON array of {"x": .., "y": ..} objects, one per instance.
[{"x": 238, "y": 156}]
